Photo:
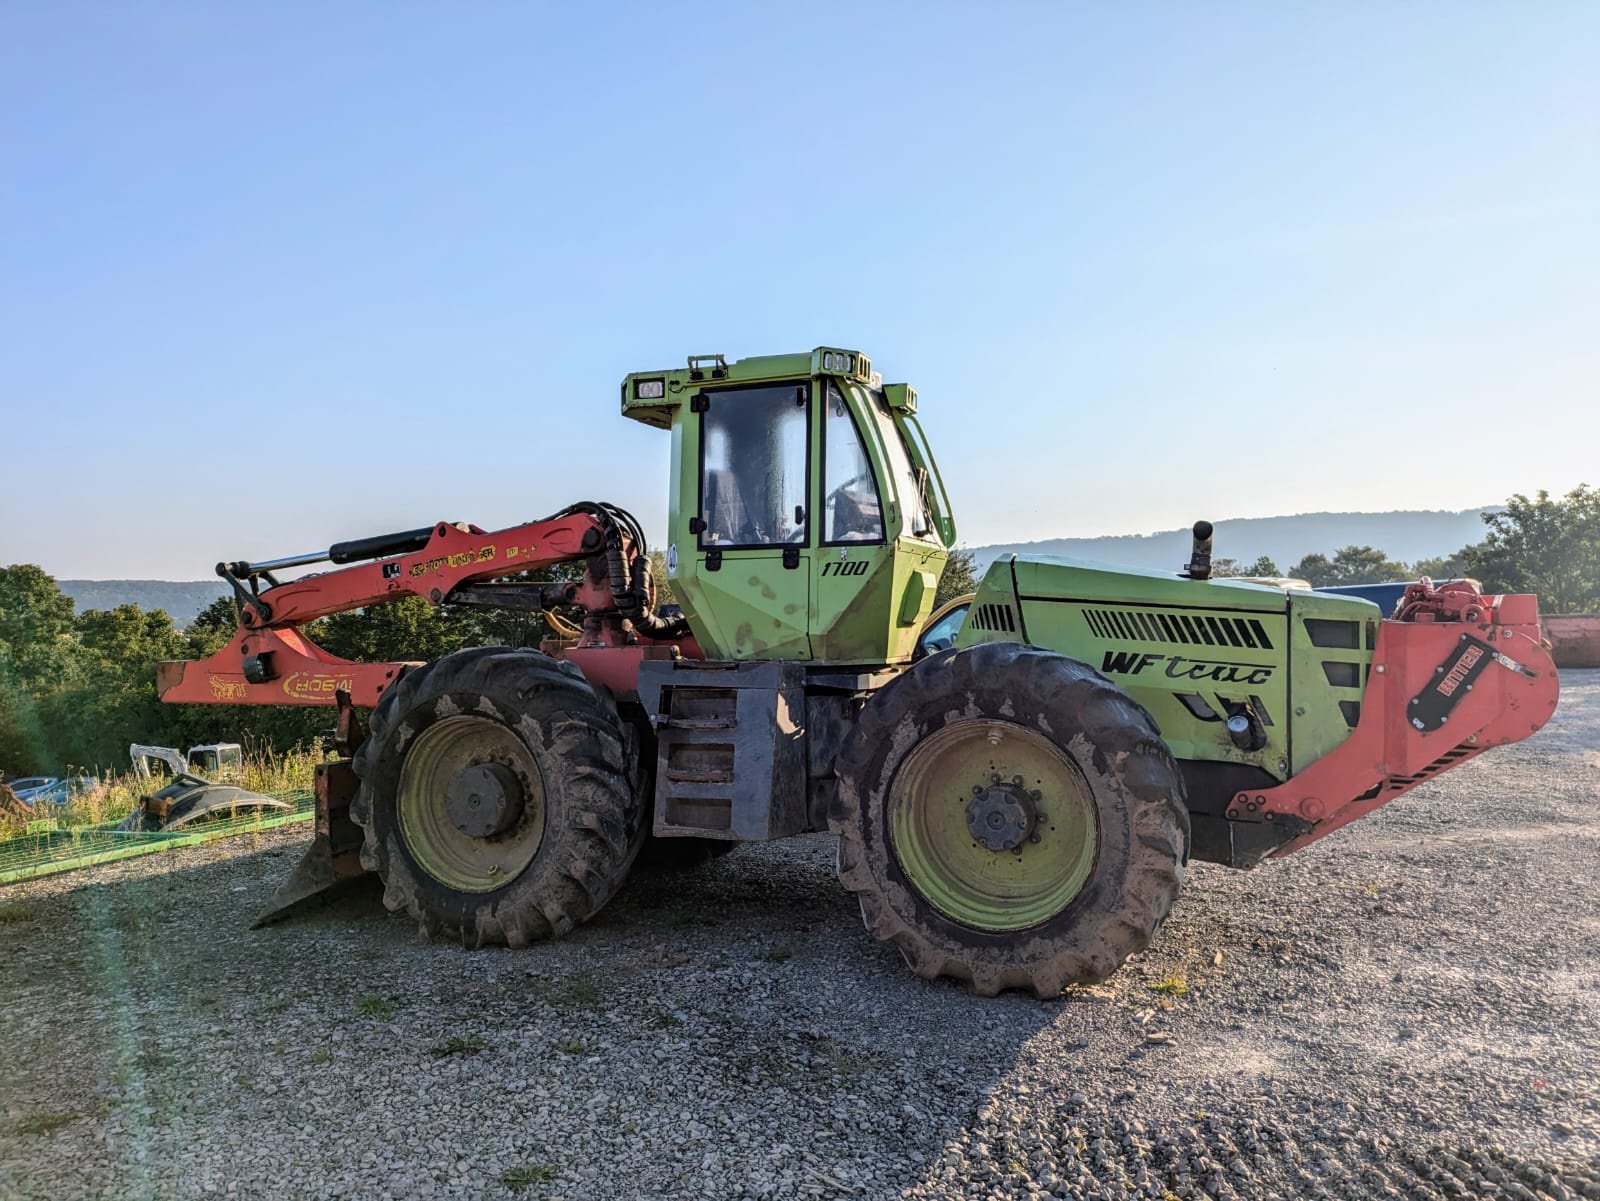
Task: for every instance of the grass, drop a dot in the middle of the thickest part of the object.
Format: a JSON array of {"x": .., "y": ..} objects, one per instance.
[
  {"x": 527, "y": 1175},
  {"x": 374, "y": 1006},
  {"x": 17, "y": 911},
  {"x": 44, "y": 1123},
  {"x": 1173, "y": 984},
  {"x": 457, "y": 1044}
]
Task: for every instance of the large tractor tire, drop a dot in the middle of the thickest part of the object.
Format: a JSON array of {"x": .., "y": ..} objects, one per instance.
[
  {"x": 1009, "y": 817},
  {"x": 495, "y": 798}
]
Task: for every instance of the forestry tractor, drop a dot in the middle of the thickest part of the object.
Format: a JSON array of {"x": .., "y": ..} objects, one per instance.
[{"x": 1015, "y": 811}]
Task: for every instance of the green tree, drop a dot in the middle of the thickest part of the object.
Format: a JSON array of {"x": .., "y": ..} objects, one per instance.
[
  {"x": 1442, "y": 567},
  {"x": 1349, "y": 565},
  {"x": 1262, "y": 568},
  {"x": 211, "y": 628},
  {"x": 960, "y": 577},
  {"x": 36, "y": 623},
  {"x": 111, "y": 699},
  {"x": 402, "y": 630},
  {"x": 38, "y": 657},
  {"x": 1550, "y": 547}
]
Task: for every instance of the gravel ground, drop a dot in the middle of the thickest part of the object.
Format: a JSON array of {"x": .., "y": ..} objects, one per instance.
[{"x": 1406, "y": 1009}]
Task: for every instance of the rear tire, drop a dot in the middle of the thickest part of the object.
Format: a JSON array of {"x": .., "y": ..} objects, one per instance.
[
  {"x": 530, "y": 738},
  {"x": 1068, "y": 782}
]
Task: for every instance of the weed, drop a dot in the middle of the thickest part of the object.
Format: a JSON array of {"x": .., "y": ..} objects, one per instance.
[
  {"x": 277, "y": 1005},
  {"x": 322, "y": 1055},
  {"x": 17, "y": 911},
  {"x": 778, "y": 954},
  {"x": 526, "y": 1176},
  {"x": 457, "y": 1044},
  {"x": 847, "y": 1064},
  {"x": 572, "y": 1046},
  {"x": 575, "y": 992},
  {"x": 374, "y": 1006},
  {"x": 660, "y": 1019},
  {"x": 1174, "y": 984},
  {"x": 44, "y": 1123}
]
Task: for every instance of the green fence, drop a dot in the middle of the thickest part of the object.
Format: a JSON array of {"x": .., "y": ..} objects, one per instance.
[{"x": 46, "y": 852}]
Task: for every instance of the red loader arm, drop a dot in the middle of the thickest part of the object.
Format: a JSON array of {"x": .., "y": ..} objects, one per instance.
[{"x": 269, "y": 661}]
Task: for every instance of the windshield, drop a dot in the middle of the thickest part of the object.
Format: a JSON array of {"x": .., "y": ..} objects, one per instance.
[{"x": 907, "y": 483}]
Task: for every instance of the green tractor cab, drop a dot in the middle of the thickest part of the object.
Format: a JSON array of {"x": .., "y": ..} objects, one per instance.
[{"x": 807, "y": 519}]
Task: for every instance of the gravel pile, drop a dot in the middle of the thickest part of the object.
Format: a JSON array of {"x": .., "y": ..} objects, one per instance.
[{"x": 1407, "y": 1009}]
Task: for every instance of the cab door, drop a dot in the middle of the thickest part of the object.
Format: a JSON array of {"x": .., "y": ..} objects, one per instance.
[
  {"x": 753, "y": 525},
  {"x": 851, "y": 584}
]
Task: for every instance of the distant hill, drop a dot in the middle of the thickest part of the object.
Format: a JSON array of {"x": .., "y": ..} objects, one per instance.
[
  {"x": 182, "y": 599},
  {"x": 1406, "y": 534}
]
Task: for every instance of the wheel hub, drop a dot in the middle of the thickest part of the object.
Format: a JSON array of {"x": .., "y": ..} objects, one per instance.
[
  {"x": 483, "y": 800},
  {"x": 1002, "y": 817},
  {"x": 470, "y": 803},
  {"x": 1014, "y": 845}
]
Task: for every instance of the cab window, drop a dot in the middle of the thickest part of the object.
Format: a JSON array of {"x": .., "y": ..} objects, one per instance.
[
  {"x": 851, "y": 508},
  {"x": 754, "y": 443}
]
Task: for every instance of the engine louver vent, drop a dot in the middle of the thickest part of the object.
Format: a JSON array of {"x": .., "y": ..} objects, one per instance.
[
  {"x": 994, "y": 617},
  {"x": 1180, "y": 629}
]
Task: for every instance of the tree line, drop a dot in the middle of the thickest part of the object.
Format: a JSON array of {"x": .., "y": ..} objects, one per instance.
[
  {"x": 77, "y": 688},
  {"x": 1546, "y": 545}
]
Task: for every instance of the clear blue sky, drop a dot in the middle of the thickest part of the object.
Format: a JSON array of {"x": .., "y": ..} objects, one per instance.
[{"x": 275, "y": 275}]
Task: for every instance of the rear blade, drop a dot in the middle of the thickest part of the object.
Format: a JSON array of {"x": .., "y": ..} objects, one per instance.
[{"x": 316, "y": 879}]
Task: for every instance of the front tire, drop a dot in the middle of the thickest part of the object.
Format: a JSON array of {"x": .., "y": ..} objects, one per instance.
[
  {"x": 1009, "y": 817},
  {"x": 495, "y": 797}
]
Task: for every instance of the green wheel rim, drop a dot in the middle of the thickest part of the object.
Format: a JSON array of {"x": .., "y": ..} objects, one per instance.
[
  {"x": 452, "y": 856},
  {"x": 930, "y": 805}
]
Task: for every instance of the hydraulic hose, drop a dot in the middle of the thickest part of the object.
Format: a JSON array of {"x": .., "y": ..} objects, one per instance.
[{"x": 630, "y": 590}]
